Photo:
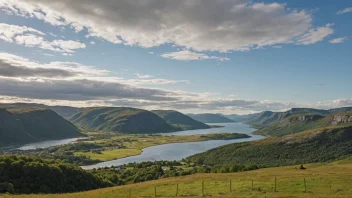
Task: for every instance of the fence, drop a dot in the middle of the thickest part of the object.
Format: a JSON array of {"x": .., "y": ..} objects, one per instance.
[{"x": 230, "y": 187}]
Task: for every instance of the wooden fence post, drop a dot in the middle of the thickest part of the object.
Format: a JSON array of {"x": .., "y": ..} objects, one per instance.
[
  {"x": 275, "y": 185},
  {"x": 176, "y": 190},
  {"x": 230, "y": 185},
  {"x": 154, "y": 191},
  {"x": 252, "y": 184},
  {"x": 130, "y": 192},
  {"x": 203, "y": 187},
  {"x": 305, "y": 186}
]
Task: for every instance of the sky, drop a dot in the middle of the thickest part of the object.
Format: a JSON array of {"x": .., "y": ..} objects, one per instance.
[{"x": 195, "y": 56}]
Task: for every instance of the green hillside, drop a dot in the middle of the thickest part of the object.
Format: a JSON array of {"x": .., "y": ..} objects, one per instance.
[
  {"x": 18, "y": 126},
  {"x": 268, "y": 117},
  {"x": 210, "y": 118},
  {"x": 28, "y": 175},
  {"x": 180, "y": 120},
  {"x": 64, "y": 111},
  {"x": 122, "y": 120},
  {"x": 302, "y": 122},
  {"x": 319, "y": 145}
]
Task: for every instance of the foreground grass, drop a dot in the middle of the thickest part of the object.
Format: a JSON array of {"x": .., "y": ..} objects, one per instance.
[
  {"x": 133, "y": 144},
  {"x": 322, "y": 180}
]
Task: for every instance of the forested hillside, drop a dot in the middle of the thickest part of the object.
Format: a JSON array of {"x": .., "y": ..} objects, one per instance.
[
  {"x": 318, "y": 145},
  {"x": 121, "y": 119},
  {"x": 180, "y": 120},
  {"x": 26, "y": 175},
  {"x": 18, "y": 126}
]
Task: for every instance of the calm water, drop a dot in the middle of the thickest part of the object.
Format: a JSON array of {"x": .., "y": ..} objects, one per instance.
[
  {"x": 46, "y": 144},
  {"x": 177, "y": 151}
]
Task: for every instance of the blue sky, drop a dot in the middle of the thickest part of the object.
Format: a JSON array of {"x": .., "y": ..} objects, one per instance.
[{"x": 230, "y": 56}]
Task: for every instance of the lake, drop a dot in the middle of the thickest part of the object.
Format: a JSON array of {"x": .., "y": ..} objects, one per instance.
[
  {"x": 178, "y": 151},
  {"x": 47, "y": 144}
]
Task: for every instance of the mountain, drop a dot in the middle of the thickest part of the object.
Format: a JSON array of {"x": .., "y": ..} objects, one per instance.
[
  {"x": 18, "y": 126},
  {"x": 121, "y": 119},
  {"x": 180, "y": 120},
  {"x": 210, "y": 118},
  {"x": 240, "y": 118},
  {"x": 267, "y": 117},
  {"x": 319, "y": 145},
  {"x": 64, "y": 111},
  {"x": 302, "y": 122}
]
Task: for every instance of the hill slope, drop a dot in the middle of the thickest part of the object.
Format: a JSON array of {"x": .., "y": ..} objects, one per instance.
[
  {"x": 317, "y": 145},
  {"x": 323, "y": 180},
  {"x": 302, "y": 122},
  {"x": 210, "y": 118},
  {"x": 240, "y": 118},
  {"x": 180, "y": 120},
  {"x": 64, "y": 111},
  {"x": 121, "y": 119},
  {"x": 268, "y": 117},
  {"x": 18, "y": 126}
]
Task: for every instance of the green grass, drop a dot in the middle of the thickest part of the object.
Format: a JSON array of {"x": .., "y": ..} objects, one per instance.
[
  {"x": 138, "y": 142},
  {"x": 111, "y": 154},
  {"x": 322, "y": 180}
]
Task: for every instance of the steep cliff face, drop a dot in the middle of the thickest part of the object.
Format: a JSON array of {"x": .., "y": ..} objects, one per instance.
[
  {"x": 304, "y": 118},
  {"x": 341, "y": 119}
]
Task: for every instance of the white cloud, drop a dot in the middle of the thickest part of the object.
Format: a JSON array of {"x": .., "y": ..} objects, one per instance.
[
  {"x": 30, "y": 37},
  {"x": 315, "y": 35},
  {"x": 92, "y": 43},
  {"x": 339, "y": 40},
  {"x": 188, "y": 55},
  {"x": 223, "y": 26},
  {"x": 143, "y": 76},
  {"x": 346, "y": 10}
]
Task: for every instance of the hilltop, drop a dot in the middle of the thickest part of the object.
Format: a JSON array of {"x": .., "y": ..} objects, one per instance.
[
  {"x": 18, "y": 126},
  {"x": 318, "y": 145},
  {"x": 210, "y": 118},
  {"x": 122, "y": 120},
  {"x": 268, "y": 117},
  {"x": 180, "y": 120},
  {"x": 64, "y": 111},
  {"x": 302, "y": 122}
]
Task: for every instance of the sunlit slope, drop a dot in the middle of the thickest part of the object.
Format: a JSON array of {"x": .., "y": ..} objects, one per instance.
[
  {"x": 318, "y": 145},
  {"x": 322, "y": 180},
  {"x": 121, "y": 119}
]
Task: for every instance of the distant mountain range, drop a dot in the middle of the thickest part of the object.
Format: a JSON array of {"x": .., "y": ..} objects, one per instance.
[
  {"x": 240, "y": 118},
  {"x": 19, "y": 126},
  {"x": 180, "y": 120},
  {"x": 210, "y": 118}
]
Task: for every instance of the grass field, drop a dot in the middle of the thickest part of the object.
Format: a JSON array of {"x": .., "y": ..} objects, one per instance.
[
  {"x": 322, "y": 180},
  {"x": 135, "y": 144}
]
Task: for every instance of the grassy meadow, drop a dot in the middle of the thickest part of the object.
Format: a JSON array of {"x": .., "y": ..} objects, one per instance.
[{"x": 322, "y": 180}]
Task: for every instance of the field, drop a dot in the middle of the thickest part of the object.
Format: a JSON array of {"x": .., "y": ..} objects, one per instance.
[
  {"x": 321, "y": 180},
  {"x": 130, "y": 145}
]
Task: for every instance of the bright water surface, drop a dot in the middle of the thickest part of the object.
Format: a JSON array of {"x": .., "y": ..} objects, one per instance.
[
  {"x": 46, "y": 144},
  {"x": 177, "y": 151}
]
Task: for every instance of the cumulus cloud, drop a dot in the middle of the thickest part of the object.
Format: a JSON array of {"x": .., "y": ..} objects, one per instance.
[
  {"x": 339, "y": 40},
  {"x": 30, "y": 37},
  {"x": 207, "y": 25},
  {"x": 315, "y": 35},
  {"x": 188, "y": 56},
  {"x": 143, "y": 76},
  {"x": 346, "y": 10}
]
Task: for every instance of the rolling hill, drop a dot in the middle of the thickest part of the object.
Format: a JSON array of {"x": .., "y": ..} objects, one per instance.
[
  {"x": 18, "y": 126},
  {"x": 180, "y": 120},
  {"x": 268, "y": 117},
  {"x": 121, "y": 119},
  {"x": 318, "y": 145},
  {"x": 240, "y": 118},
  {"x": 210, "y": 118},
  {"x": 64, "y": 111},
  {"x": 302, "y": 122}
]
